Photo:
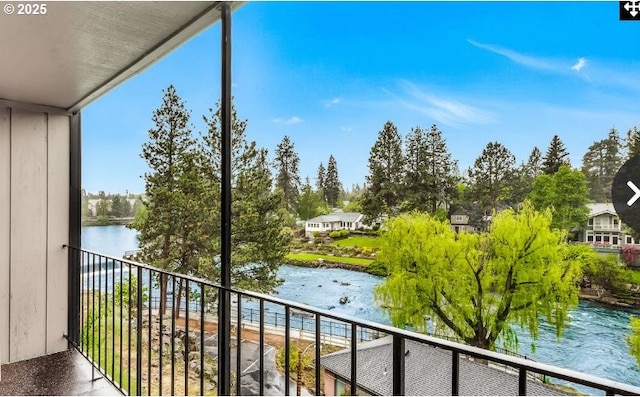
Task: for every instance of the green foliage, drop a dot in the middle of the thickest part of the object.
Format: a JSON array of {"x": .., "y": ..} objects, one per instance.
[
  {"x": 311, "y": 203},
  {"x": 337, "y": 234},
  {"x": 384, "y": 181},
  {"x": 357, "y": 241},
  {"x": 294, "y": 359},
  {"x": 430, "y": 173},
  {"x": 287, "y": 178},
  {"x": 606, "y": 272},
  {"x": 633, "y": 340},
  {"x": 556, "y": 156},
  {"x": 378, "y": 268},
  {"x": 102, "y": 220},
  {"x": 633, "y": 141},
  {"x": 332, "y": 185},
  {"x": 355, "y": 205},
  {"x": 491, "y": 176},
  {"x": 600, "y": 165},
  {"x": 479, "y": 285},
  {"x": 121, "y": 294},
  {"x": 565, "y": 192}
]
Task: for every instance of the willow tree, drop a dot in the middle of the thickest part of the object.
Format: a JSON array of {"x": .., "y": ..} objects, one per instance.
[
  {"x": 479, "y": 286},
  {"x": 633, "y": 340}
]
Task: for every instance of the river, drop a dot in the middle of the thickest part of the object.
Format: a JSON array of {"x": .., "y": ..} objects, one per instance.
[{"x": 594, "y": 343}]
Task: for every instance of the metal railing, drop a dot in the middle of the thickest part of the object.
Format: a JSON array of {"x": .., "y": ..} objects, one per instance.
[{"x": 143, "y": 353}]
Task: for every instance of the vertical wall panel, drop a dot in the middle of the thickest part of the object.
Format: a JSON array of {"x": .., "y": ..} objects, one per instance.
[
  {"x": 28, "y": 234},
  {"x": 5, "y": 216},
  {"x": 58, "y": 232}
]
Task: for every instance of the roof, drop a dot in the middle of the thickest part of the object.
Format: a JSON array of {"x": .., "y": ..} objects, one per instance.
[
  {"x": 427, "y": 372},
  {"x": 596, "y": 209},
  {"x": 78, "y": 51},
  {"x": 338, "y": 216}
]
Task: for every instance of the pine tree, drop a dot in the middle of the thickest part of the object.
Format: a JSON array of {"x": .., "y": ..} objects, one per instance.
[
  {"x": 385, "y": 179},
  {"x": 332, "y": 185},
  {"x": 633, "y": 141},
  {"x": 430, "y": 179},
  {"x": 534, "y": 163},
  {"x": 288, "y": 178},
  {"x": 310, "y": 204},
  {"x": 522, "y": 181},
  {"x": 320, "y": 181},
  {"x": 600, "y": 165},
  {"x": 557, "y": 155},
  {"x": 491, "y": 176},
  {"x": 258, "y": 242},
  {"x": 169, "y": 143}
]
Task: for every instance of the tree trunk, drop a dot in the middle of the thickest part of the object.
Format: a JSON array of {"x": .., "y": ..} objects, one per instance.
[
  {"x": 179, "y": 299},
  {"x": 163, "y": 295}
]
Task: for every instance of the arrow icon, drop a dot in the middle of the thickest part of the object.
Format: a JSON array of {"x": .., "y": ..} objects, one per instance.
[
  {"x": 636, "y": 196},
  {"x": 631, "y": 8}
]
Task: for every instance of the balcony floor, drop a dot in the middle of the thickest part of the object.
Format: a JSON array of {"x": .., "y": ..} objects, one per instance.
[{"x": 61, "y": 374}]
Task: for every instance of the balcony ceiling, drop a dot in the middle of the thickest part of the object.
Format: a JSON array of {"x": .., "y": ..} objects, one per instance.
[{"x": 78, "y": 51}]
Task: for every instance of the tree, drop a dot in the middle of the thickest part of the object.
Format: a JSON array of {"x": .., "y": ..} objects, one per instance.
[
  {"x": 310, "y": 204},
  {"x": 557, "y": 155},
  {"x": 522, "y": 181},
  {"x": 258, "y": 242},
  {"x": 287, "y": 178},
  {"x": 332, "y": 185},
  {"x": 633, "y": 340},
  {"x": 478, "y": 286},
  {"x": 117, "y": 209},
  {"x": 600, "y": 165},
  {"x": 384, "y": 181},
  {"x": 169, "y": 143},
  {"x": 566, "y": 194},
  {"x": 320, "y": 181},
  {"x": 491, "y": 176},
  {"x": 430, "y": 180},
  {"x": 102, "y": 206},
  {"x": 633, "y": 141}
]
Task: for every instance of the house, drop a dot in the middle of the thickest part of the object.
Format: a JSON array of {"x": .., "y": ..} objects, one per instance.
[
  {"x": 337, "y": 220},
  {"x": 427, "y": 373},
  {"x": 604, "y": 228},
  {"x": 460, "y": 221}
]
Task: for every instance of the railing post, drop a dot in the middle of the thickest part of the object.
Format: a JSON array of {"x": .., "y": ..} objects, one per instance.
[
  {"x": 522, "y": 382},
  {"x": 139, "y": 334},
  {"x": 224, "y": 325},
  {"x": 398, "y": 365},
  {"x": 455, "y": 373}
]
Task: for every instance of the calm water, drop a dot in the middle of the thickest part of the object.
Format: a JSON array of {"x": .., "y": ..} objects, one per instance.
[{"x": 594, "y": 343}]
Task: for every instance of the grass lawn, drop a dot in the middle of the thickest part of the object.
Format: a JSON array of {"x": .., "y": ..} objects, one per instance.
[
  {"x": 304, "y": 256},
  {"x": 358, "y": 241}
]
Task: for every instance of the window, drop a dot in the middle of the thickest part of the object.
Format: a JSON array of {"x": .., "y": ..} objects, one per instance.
[
  {"x": 629, "y": 239},
  {"x": 598, "y": 238},
  {"x": 590, "y": 221},
  {"x": 590, "y": 238},
  {"x": 458, "y": 218}
]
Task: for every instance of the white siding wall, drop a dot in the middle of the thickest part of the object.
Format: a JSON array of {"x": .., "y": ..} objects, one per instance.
[{"x": 34, "y": 205}]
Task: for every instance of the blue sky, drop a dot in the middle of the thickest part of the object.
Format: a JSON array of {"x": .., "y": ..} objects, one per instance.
[{"x": 330, "y": 74}]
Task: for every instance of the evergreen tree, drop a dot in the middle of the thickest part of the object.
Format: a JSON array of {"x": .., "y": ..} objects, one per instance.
[
  {"x": 102, "y": 207},
  {"x": 491, "y": 176},
  {"x": 522, "y": 181},
  {"x": 288, "y": 178},
  {"x": 633, "y": 141},
  {"x": 258, "y": 241},
  {"x": 557, "y": 155},
  {"x": 385, "y": 178},
  {"x": 169, "y": 143},
  {"x": 430, "y": 180},
  {"x": 332, "y": 185},
  {"x": 117, "y": 209},
  {"x": 600, "y": 165},
  {"x": 320, "y": 181}
]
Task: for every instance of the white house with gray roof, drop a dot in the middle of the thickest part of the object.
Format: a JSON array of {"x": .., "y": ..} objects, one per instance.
[
  {"x": 604, "y": 228},
  {"x": 337, "y": 220},
  {"x": 427, "y": 373}
]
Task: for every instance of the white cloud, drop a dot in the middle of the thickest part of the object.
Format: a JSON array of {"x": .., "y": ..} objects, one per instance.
[
  {"x": 447, "y": 111},
  {"x": 526, "y": 60},
  {"x": 289, "y": 121},
  {"x": 579, "y": 65},
  {"x": 346, "y": 129},
  {"x": 332, "y": 102}
]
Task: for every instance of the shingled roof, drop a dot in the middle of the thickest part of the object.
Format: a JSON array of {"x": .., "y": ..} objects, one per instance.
[{"x": 427, "y": 372}]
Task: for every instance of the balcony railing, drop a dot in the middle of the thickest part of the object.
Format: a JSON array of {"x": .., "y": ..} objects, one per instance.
[{"x": 116, "y": 325}]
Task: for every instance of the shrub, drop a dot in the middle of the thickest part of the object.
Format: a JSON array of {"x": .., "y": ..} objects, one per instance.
[
  {"x": 630, "y": 254},
  {"x": 335, "y": 234},
  {"x": 375, "y": 228},
  {"x": 316, "y": 234},
  {"x": 344, "y": 233}
]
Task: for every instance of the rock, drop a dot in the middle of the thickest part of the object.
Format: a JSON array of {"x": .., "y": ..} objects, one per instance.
[
  {"x": 344, "y": 300},
  {"x": 345, "y": 284}
]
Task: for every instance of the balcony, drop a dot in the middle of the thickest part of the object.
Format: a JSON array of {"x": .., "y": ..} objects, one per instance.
[
  {"x": 70, "y": 317},
  {"x": 605, "y": 227},
  {"x": 117, "y": 327}
]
